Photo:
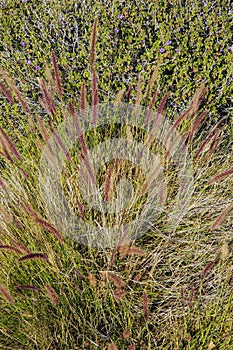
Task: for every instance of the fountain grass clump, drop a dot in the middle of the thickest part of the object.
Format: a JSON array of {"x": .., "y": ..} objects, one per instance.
[{"x": 170, "y": 288}]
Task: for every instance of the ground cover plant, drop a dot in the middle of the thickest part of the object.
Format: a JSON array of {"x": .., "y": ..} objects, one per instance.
[{"x": 170, "y": 288}]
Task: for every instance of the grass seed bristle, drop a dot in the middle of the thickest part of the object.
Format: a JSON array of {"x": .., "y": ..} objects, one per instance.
[
  {"x": 10, "y": 144},
  {"x": 6, "y": 295},
  {"x": 221, "y": 217},
  {"x": 52, "y": 294},
  {"x": 10, "y": 248},
  {"x": 34, "y": 256}
]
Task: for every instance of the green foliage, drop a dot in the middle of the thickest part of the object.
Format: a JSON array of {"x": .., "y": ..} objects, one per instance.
[{"x": 200, "y": 49}]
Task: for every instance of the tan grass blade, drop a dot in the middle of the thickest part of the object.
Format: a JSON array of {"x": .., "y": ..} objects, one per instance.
[{"x": 211, "y": 345}]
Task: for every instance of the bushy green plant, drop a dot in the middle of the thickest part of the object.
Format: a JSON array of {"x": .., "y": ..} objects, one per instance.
[{"x": 196, "y": 39}]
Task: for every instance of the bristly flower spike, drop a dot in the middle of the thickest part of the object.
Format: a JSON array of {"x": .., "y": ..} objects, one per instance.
[
  {"x": 93, "y": 43},
  {"x": 7, "y": 93},
  {"x": 6, "y": 295},
  {"x": 10, "y": 145}
]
